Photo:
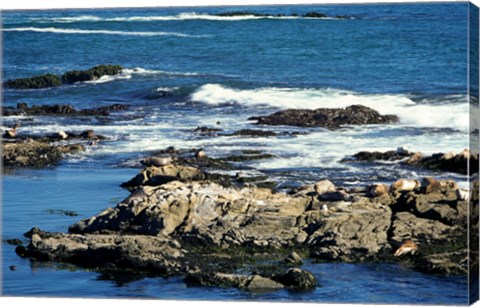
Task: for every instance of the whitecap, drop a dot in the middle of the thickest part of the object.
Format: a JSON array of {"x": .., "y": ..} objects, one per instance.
[
  {"x": 449, "y": 115},
  {"x": 106, "y": 32}
]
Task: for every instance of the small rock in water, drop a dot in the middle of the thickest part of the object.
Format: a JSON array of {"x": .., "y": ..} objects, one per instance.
[
  {"x": 403, "y": 151},
  {"x": 12, "y": 268},
  {"x": 88, "y": 134}
]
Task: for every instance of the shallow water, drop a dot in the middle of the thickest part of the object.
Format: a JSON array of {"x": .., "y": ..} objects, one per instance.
[{"x": 184, "y": 68}]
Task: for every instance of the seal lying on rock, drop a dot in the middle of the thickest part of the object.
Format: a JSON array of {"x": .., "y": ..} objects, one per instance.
[
  {"x": 376, "y": 190},
  {"x": 407, "y": 247},
  {"x": 404, "y": 185},
  {"x": 11, "y": 133},
  {"x": 156, "y": 161}
]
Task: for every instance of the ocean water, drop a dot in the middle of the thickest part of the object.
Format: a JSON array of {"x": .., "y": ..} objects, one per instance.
[{"x": 404, "y": 59}]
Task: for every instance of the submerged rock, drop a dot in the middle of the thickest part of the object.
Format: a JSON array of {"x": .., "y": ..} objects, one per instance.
[{"x": 326, "y": 118}]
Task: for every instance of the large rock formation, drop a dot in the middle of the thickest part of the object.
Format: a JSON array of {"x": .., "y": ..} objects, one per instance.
[
  {"x": 327, "y": 118},
  {"x": 181, "y": 220}
]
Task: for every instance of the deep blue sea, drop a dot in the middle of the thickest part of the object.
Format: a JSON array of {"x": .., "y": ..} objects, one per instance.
[{"x": 186, "y": 67}]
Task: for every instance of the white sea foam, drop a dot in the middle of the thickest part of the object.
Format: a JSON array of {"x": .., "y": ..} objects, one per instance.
[
  {"x": 106, "y": 32},
  {"x": 179, "y": 17},
  {"x": 143, "y": 71},
  {"x": 448, "y": 115}
]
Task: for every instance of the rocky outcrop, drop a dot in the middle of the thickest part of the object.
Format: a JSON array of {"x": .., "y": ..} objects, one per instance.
[
  {"x": 41, "y": 81},
  {"x": 34, "y": 153},
  {"x": 93, "y": 73},
  {"x": 206, "y": 231},
  {"x": 462, "y": 163},
  {"x": 50, "y": 80},
  {"x": 326, "y": 118},
  {"x": 60, "y": 110}
]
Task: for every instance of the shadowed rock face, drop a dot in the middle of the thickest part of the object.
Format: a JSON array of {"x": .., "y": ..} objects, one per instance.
[{"x": 327, "y": 118}]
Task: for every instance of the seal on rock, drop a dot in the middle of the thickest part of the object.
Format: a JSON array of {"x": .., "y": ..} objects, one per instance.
[
  {"x": 156, "y": 161},
  {"x": 324, "y": 186},
  {"x": 11, "y": 133},
  {"x": 62, "y": 134},
  {"x": 404, "y": 185},
  {"x": 430, "y": 185},
  {"x": 408, "y": 246},
  {"x": 376, "y": 190}
]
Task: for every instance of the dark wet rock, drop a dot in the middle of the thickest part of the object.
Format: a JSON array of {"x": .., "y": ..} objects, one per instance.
[
  {"x": 248, "y": 157},
  {"x": 242, "y": 13},
  {"x": 326, "y": 118},
  {"x": 448, "y": 162},
  {"x": 376, "y": 156},
  {"x": 447, "y": 263},
  {"x": 306, "y": 15},
  {"x": 91, "y": 74},
  {"x": 314, "y": 15},
  {"x": 62, "y": 212},
  {"x": 12, "y": 268},
  {"x": 42, "y": 81},
  {"x": 297, "y": 279},
  {"x": 60, "y": 110},
  {"x": 254, "y": 133},
  {"x": 222, "y": 280},
  {"x": 207, "y": 131}
]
